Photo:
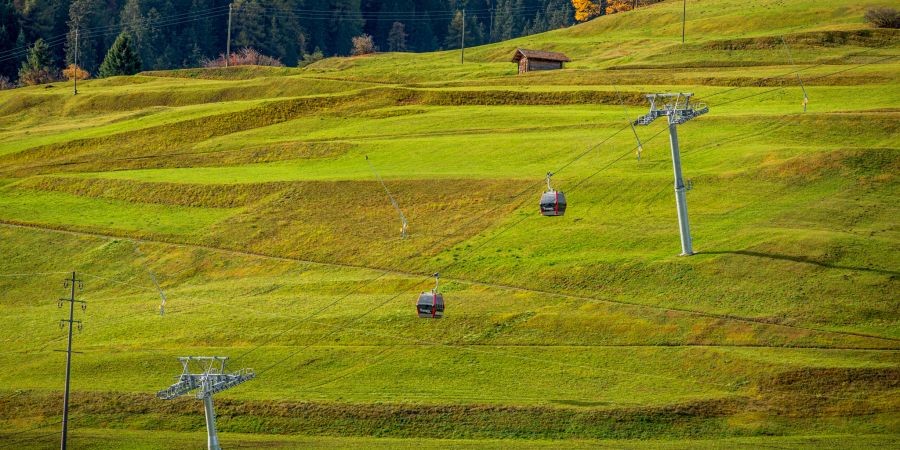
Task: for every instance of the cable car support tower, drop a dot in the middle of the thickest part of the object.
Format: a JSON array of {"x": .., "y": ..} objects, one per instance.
[
  {"x": 404, "y": 225},
  {"x": 210, "y": 379},
  {"x": 678, "y": 109}
]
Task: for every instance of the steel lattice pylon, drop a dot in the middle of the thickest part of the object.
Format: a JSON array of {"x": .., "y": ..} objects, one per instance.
[
  {"x": 678, "y": 109},
  {"x": 206, "y": 375}
]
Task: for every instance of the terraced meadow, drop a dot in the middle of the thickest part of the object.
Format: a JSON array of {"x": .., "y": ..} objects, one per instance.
[{"x": 246, "y": 192}]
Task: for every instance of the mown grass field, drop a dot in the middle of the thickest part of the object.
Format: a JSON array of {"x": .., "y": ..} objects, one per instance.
[{"x": 246, "y": 193}]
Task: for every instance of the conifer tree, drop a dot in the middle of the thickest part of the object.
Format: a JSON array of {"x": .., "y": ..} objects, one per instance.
[
  {"x": 10, "y": 31},
  {"x": 122, "y": 58},
  {"x": 38, "y": 67}
]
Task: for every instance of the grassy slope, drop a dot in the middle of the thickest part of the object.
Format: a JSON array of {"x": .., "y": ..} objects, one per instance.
[{"x": 792, "y": 297}]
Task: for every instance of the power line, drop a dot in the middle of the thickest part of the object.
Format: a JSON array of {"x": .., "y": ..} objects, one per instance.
[
  {"x": 584, "y": 180},
  {"x": 443, "y": 269},
  {"x": 115, "y": 29},
  {"x": 494, "y": 236},
  {"x": 576, "y": 185},
  {"x": 304, "y": 14},
  {"x": 403, "y": 222},
  {"x": 18, "y": 439},
  {"x": 769, "y": 91},
  {"x": 523, "y": 192},
  {"x": 792, "y": 72},
  {"x": 800, "y": 80}
]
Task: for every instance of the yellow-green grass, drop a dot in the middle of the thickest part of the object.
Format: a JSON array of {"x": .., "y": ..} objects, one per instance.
[
  {"x": 503, "y": 357},
  {"x": 91, "y": 438},
  {"x": 265, "y": 228}
]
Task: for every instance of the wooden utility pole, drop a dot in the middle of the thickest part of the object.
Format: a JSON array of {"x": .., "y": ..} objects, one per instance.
[
  {"x": 462, "y": 40},
  {"x": 70, "y": 282},
  {"x": 228, "y": 39},
  {"x": 491, "y": 26},
  {"x": 76, "y": 63},
  {"x": 683, "y": 19}
]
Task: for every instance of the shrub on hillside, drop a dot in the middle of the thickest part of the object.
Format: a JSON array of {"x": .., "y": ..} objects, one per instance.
[
  {"x": 883, "y": 17},
  {"x": 6, "y": 83},
  {"x": 72, "y": 71},
  {"x": 309, "y": 58},
  {"x": 243, "y": 57},
  {"x": 363, "y": 45}
]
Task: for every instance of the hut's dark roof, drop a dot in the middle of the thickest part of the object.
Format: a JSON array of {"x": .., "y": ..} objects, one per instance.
[{"x": 539, "y": 54}]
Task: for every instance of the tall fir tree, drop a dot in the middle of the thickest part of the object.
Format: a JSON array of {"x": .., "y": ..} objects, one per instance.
[
  {"x": 46, "y": 19},
  {"x": 39, "y": 66},
  {"x": 122, "y": 58},
  {"x": 10, "y": 30},
  {"x": 178, "y": 33},
  {"x": 507, "y": 21},
  {"x": 346, "y": 23},
  {"x": 421, "y": 31}
]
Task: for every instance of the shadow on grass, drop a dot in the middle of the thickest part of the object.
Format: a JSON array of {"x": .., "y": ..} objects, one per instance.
[{"x": 801, "y": 259}]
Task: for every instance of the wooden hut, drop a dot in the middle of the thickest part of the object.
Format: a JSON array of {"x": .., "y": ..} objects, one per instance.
[{"x": 529, "y": 60}]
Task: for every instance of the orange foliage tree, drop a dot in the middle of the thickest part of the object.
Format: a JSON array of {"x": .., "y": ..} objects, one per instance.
[
  {"x": 617, "y": 6},
  {"x": 72, "y": 71},
  {"x": 586, "y": 9}
]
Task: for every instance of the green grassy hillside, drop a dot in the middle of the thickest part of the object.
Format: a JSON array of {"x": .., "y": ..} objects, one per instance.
[{"x": 246, "y": 192}]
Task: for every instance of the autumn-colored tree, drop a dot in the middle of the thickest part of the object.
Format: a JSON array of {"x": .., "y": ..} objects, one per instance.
[
  {"x": 72, "y": 71},
  {"x": 617, "y": 6},
  {"x": 586, "y": 9},
  {"x": 362, "y": 45}
]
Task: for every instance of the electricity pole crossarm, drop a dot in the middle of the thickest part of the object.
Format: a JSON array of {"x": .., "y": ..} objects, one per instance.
[
  {"x": 678, "y": 109},
  {"x": 210, "y": 377}
]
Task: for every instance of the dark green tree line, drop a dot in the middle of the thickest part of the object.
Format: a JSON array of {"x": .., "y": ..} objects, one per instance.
[{"x": 168, "y": 34}]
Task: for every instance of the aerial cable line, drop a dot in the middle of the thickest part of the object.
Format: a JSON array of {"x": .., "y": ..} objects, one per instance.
[
  {"x": 472, "y": 348},
  {"x": 110, "y": 30},
  {"x": 403, "y": 223},
  {"x": 338, "y": 328},
  {"x": 433, "y": 13},
  {"x": 521, "y": 220},
  {"x": 756, "y": 94},
  {"x": 162, "y": 295},
  {"x": 141, "y": 21},
  {"x": 501, "y": 232},
  {"x": 340, "y": 300},
  {"x": 791, "y": 59},
  {"x": 525, "y": 217},
  {"x": 577, "y": 184},
  {"x": 106, "y": 31},
  {"x": 371, "y": 19},
  {"x": 640, "y": 147},
  {"x": 797, "y": 71},
  {"x": 220, "y": 11},
  {"x": 30, "y": 274},
  {"x": 443, "y": 269}
]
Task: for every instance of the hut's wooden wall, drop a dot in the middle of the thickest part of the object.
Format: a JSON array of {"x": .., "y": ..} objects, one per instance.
[{"x": 537, "y": 64}]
